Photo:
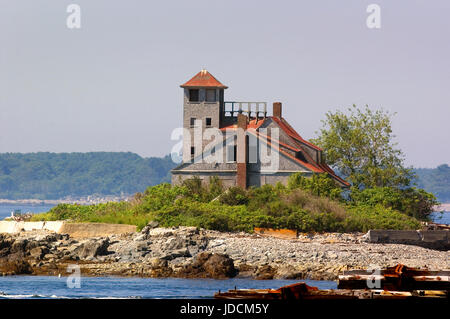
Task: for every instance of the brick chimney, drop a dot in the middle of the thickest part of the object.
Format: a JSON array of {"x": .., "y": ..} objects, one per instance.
[
  {"x": 241, "y": 176},
  {"x": 277, "y": 109}
]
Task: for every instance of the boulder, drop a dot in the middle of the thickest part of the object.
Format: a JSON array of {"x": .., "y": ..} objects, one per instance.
[
  {"x": 183, "y": 252},
  {"x": 38, "y": 252},
  {"x": 16, "y": 267},
  {"x": 91, "y": 248},
  {"x": 265, "y": 272},
  {"x": 209, "y": 265}
]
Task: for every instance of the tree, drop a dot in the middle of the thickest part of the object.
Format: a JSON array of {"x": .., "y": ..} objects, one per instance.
[{"x": 360, "y": 146}]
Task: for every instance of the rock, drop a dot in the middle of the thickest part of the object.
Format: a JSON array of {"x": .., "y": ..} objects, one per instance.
[
  {"x": 151, "y": 225},
  {"x": 246, "y": 271},
  {"x": 265, "y": 272},
  {"x": 176, "y": 253},
  {"x": 38, "y": 252},
  {"x": 288, "y": 272},
  {"x": 161, "y": 232},
  {"x": 19, "y": 246},
  {"x": 17, "y": 267},
  {"x": 140, "y": 237},
  {"x": 91, "y": 248},
  {"x": 209, "y": 265}
]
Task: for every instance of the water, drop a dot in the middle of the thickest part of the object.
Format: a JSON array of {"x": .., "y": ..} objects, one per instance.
[
  {"x": 5, "y": 210},
  {"x": 16, "y": 287},
  {"x": 441, "y": 219}
]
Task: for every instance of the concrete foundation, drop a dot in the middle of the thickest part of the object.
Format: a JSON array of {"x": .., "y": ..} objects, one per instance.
[
  {"x": 76, "y": 230},
  {"x": 435, "y": 239}
]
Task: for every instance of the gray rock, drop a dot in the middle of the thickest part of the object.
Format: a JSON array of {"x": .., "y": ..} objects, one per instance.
[
  {"x": 91, "y": 248},
  {"x": 38, "y": 252}
]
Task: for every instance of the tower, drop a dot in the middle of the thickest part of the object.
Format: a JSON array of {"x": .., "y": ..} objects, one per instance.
[{"x": 203, "y": 106}]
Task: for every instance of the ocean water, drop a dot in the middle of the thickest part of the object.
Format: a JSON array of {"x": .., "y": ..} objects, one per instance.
[
  {"x": 20, "y": 287},
  {"x": 441, "y": 218},
  {"x": 5, "y": 210}
]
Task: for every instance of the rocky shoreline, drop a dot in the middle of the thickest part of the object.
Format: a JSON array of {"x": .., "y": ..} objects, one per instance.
[{"x": 188, "y": 252}]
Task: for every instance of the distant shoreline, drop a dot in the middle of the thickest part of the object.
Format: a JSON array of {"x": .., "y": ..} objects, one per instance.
[
  {"x": 90, "y": 200},
  {"x": 443, "y": 207}
]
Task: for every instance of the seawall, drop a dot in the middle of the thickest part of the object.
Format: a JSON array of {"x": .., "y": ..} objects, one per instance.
[{"x": 75, "y": 230}]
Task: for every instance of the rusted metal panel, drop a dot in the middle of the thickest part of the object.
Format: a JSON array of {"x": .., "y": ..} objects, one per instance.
[{"x": 278, "y": 233}]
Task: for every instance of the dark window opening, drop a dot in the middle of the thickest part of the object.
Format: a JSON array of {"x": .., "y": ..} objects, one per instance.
[
  {"x": 192, "y": 151},
  {"x": 194, "y": 95},
  {"x": 300, "y": 156},
  {"x": 210, "y": 95},
  {"x": 231, "y": 153},
  {"x": 208, "y": 121},
  {"x": 192, "y": 121}
]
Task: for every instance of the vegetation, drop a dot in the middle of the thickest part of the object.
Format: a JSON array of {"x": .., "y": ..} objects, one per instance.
[
  {"x": 307, "y": 204},
  {"x": 54, "y": 176},
  {"x": 360, "y": 146}
]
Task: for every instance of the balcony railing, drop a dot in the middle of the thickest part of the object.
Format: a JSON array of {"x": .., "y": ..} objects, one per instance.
[{"x": 251, "y": 109}]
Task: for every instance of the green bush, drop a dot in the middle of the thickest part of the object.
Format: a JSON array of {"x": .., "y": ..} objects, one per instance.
[
  {"x": 318, "y": 184},
  {"x": 411, "y": 201}
]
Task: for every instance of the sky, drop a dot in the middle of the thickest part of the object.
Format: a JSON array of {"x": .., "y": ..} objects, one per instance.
[{"x": 113, "y": 84}]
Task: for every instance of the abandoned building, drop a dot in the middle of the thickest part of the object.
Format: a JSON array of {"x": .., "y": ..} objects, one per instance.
[{"x": 238, "y": 142}]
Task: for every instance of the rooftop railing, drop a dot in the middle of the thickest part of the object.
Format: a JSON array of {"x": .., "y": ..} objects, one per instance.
[{"x": 251, "y": 109}]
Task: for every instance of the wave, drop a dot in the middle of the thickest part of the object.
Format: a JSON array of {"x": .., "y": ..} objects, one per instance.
[{"x": 4, "y": 295}]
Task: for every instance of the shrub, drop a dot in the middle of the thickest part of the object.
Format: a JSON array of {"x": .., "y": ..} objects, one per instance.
[
  {"x": 411, "y": 201},
  {"x": 234, "y": 196},
  {"x": 318, "y": 184}
]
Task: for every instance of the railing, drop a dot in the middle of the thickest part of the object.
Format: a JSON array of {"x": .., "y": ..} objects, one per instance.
[{"x": 251, "y": 109}]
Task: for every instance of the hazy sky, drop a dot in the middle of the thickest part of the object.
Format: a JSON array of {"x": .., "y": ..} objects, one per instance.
[{"x": 113, "y": 85}]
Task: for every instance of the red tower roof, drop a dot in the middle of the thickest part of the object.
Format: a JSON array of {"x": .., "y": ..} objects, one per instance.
[{"x": 204, "y": 79}]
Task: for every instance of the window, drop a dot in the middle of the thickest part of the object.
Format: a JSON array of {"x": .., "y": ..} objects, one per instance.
[
  {"x": 208, "y": 121},
  {"x": 210, "y": 95},
  {"x": 231, "y": 153},
  {"x": 194, "y": 95},
  {"x": 192, "y": 121},
  {"x": 192, "y": 151}
]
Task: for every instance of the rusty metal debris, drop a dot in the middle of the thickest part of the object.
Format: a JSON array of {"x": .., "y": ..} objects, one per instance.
[{"x": 399, "y": 282}]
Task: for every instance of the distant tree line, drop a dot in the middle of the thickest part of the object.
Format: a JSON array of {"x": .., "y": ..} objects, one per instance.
[
  {"x": 436, "y": 181},
  {"x": 57, "y": 175}
]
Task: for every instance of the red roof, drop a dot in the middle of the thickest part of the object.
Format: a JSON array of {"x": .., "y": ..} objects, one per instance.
[
  {"x": 252, "y": 127},
  {"x": 292, "y": 133},
  {"x": 204, "y": 79}
]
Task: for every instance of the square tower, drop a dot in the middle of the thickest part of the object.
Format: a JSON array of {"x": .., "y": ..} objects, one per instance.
[{"x": 203, "y": 106}]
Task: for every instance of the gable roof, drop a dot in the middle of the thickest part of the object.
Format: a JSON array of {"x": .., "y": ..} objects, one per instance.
[
  {"x": 204, "y": 79},
  {"x": 313, "y": 166},
  {"x": 292, "y": 133}
]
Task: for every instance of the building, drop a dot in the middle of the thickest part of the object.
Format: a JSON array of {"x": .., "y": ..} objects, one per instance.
[{"x": 238, "y": 142}]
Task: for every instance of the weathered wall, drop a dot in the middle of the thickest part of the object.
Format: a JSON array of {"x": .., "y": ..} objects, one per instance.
[
  {"x": 78, "y": 230},
  {"x": 437, "y": 239},
  {"x": 15, "y": 227},
  {"x": 73, "y": 229}
]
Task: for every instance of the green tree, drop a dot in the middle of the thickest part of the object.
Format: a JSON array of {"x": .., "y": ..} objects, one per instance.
[{"x": 360, "y": 146}]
